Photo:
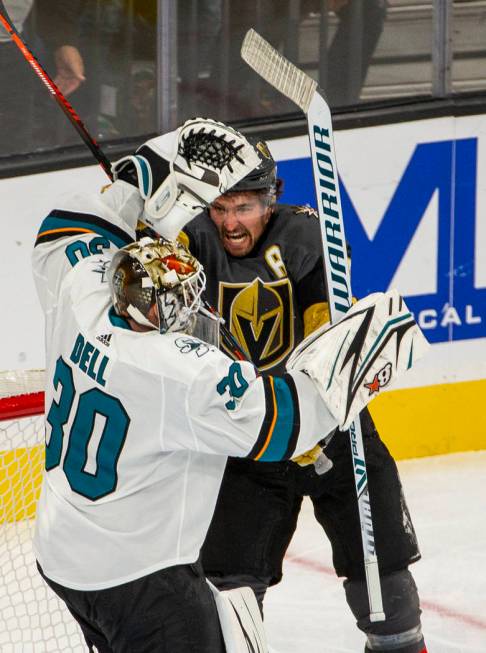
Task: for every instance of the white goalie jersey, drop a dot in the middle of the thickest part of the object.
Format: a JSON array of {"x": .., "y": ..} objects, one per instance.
[{"x": 138, "y": 425}]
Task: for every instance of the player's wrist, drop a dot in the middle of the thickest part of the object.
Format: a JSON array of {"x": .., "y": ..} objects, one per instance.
[{"x": 124, "y": 199}]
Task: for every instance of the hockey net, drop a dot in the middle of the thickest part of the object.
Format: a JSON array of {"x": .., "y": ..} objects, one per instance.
[{"x": 32, "y": 618}]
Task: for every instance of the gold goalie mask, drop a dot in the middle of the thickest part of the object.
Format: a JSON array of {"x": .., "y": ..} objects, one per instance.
[{"x": 158, "y": 283}]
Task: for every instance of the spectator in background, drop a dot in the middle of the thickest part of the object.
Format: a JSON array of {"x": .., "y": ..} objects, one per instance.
[
  {"x": 118, "y": 40},
  {"x": 232, "y": 84},
  {"x": 344, "y": 83},
  {"x": 57, "y": 27},
  {"x": 23, "y": 96},
  {"x": 199, "y": 31},
  {"x": 116, "y": 96},
  {"x": 241, "y": 94}
]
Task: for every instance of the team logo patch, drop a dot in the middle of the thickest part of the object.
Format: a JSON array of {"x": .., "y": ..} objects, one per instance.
[
  {"x": 102, "y": 268},
  {"x": 259, "y": 315},
  {"x": 188, "y": 345},
  {"x": 380, "y": 380},
  {"x": 307, "y": 210},
  {"x": 261, "y": 146}
]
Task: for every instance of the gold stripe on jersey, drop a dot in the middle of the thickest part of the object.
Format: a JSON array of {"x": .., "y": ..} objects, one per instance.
[
  {"x": 280, "y": 429},
  {"x": 273, "y": 420},
  {"x": 65, "y": 230},
  {"x": 60, "y": 223}
]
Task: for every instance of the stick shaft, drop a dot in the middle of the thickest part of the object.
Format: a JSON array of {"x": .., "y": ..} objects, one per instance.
[{"x": 303, "y": 91}]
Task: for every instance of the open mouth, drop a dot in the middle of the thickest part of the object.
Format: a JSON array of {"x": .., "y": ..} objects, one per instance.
[
  {"x": 235, "y": 237},
  {"x": 237, "y": 242}
]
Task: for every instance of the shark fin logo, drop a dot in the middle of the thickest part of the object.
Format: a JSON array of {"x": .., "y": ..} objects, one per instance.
[{"x": 393, "y": 329}]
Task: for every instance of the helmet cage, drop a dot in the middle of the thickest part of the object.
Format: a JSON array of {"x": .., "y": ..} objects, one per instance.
[{"x": 177, "y": 306}]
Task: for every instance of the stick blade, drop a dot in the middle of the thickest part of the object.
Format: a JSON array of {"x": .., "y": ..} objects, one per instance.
[{"x": 277, "y": 70}]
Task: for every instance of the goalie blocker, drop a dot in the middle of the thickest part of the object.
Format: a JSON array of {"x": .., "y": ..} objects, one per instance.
[{"x": 354, "y": 359}]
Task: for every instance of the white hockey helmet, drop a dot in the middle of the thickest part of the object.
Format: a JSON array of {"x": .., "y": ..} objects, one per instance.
[{"x": 158, "y": 283}]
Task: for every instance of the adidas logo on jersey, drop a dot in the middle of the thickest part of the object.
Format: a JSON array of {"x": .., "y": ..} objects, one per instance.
[{"x": 104, "y": 339}]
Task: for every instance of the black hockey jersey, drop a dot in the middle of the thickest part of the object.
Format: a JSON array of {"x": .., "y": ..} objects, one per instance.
[{"x": 263, "y": 296}]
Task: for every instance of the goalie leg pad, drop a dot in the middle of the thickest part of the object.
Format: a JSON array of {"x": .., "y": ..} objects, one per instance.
[
  {"x": 258, "y": 584},
  {"x": 240, "y": 619},
  {"x": 419, "y": 647},
  {"x": 401, "y": 631},
  {"x": 366, "y": 351}
]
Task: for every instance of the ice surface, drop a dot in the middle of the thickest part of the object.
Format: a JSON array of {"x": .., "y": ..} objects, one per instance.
[{"x": 307, "y": 612}]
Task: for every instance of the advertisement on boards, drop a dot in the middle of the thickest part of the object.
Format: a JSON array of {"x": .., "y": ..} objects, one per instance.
[{"x": 413, "y": 214}]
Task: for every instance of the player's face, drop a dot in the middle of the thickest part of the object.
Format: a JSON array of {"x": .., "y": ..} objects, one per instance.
[
  {"x": 241, "y": 219},
  {"x": 152, "y": 316}
]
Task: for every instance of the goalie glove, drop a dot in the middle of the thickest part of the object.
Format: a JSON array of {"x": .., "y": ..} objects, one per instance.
[
  {"x": 352, "y": 361},
  {"x": 180, "y": 173}
]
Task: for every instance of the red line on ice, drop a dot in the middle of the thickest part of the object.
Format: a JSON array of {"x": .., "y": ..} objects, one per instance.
[
  {"x": 310, "y": 564},
  {"x": 453, "y": 614},
  {"x": 442, "y": 610}
]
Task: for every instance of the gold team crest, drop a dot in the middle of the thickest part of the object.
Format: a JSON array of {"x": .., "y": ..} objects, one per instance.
[{"x": 259, "y": 315}]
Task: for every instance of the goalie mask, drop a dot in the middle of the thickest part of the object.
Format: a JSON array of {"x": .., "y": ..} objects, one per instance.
[{"x": 158, "y": 283}]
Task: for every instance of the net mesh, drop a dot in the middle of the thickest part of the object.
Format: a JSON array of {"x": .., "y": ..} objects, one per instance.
[{"x": 32, "y": 618}]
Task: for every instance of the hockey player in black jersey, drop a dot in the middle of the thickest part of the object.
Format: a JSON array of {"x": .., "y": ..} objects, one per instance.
[{"x": 265, "y": 275}]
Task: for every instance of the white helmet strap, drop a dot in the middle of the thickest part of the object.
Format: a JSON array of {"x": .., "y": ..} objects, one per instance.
[{"x": 139, "y": 317}]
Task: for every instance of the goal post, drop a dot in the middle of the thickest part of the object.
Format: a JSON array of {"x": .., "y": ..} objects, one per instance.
[
  {"x": 32, "y": 618},
  {"x": 21, "y": 455}
]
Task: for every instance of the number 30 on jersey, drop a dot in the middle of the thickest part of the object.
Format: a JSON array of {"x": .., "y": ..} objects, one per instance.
[
  {"x": 91, "y": 405},
  {"x": 235, "y": 383}
]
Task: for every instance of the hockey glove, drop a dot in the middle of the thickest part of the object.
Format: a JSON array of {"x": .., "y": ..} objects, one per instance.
[
  {"x": 180, "y": 173},
  {"x": 353, "y": 360},
  {"x": 315, "y": 456}
]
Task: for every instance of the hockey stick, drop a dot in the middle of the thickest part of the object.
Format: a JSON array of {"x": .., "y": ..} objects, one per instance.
[
  {"x": 96, "y": 150},
  {"x": 304, "y": 92},
  {"x": 56, "y": 94}
]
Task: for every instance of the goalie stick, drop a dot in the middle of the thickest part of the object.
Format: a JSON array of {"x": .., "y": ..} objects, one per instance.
[
  {"x": 304, "y": 92},
  {"x": 96, "y": 150}
]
